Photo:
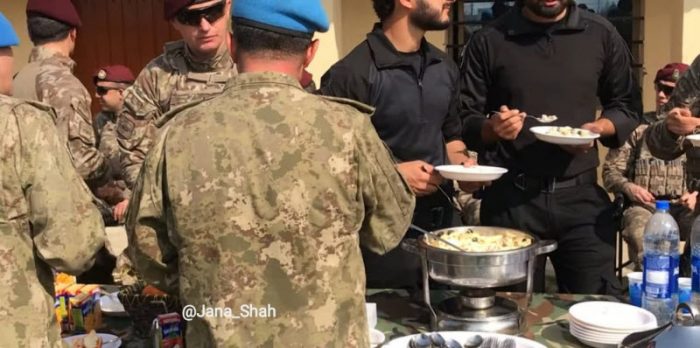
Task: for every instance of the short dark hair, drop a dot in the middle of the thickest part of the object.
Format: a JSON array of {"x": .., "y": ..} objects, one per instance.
[
  {"x": 383, "y": 8},
  {"x": 43, "y": 30},
  {"x": 254, "y": 40}
]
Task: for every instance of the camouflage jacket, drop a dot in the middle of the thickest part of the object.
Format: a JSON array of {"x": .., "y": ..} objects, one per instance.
[
  {"x": 170, "y": 80},
  {"x": 269, "y": 192},
  {"x": 47, "y": 221},
  {"x": 666, "y": 145},
  {"x": 49, "y": 78},
  {"x": 633, "y": 163},
  {"x": 106, "y": 129}
]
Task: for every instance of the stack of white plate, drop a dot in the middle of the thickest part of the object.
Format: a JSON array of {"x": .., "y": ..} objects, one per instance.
[{"x": 606, "y": 324}]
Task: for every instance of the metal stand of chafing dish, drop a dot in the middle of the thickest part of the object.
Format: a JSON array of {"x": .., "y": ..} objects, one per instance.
[{"x": 509, "y": 318}]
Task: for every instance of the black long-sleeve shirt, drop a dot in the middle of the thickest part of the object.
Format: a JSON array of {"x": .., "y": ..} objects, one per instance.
[
  {"x": 564, "y": 69},
  {"x": 416, "y": 95}
]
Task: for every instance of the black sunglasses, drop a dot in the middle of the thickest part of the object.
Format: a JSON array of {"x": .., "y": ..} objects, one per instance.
[
  {"x": 103, "y": 90},
  {"x": 668, "y": 90},
  {"x": 194, "y": 17}
]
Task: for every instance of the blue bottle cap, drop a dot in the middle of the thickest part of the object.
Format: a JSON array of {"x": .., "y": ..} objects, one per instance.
[{"x": 662, "y": 205}]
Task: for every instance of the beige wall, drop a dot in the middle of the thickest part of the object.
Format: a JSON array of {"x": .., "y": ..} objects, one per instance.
[
  {"x": 14, "y": 10},
  {"x": 691, "y": 28},
  {"x": 663, "y": 27},
  {"x": 329, "y": 47}
]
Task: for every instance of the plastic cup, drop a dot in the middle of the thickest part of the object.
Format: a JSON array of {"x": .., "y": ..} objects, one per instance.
[
  {"x": 684, "y": 289},
  {"x": 635, "y": 288},
  {"x": 371, "y": 309}
]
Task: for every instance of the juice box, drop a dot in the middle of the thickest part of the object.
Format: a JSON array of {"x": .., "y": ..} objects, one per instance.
[
  {"x": 83, "y": 313},
  {"x": 168, "y": 331}
]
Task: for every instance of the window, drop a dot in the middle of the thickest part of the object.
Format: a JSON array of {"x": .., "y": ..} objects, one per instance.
[{"x": 468, "y": 16}]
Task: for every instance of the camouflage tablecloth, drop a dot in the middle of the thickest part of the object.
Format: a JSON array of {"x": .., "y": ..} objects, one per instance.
[{"x": 399, "y": 315}]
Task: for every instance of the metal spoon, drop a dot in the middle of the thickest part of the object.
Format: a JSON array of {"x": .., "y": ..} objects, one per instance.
[
  {"x": 472, "y": 342},
  {"x": 414, "y": 227}
]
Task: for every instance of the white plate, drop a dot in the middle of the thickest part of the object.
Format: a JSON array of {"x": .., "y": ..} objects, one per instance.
[
  {"x": 694, "y": 139},
  {"x": 462, "y": 336},
  {"x": 376, "y": 337},
  {"x": 105, "y": 338},
  {"x": 612, "y": 316},
  {"x": 474, "y": 173},
  {"x": 595, "y": 344},
  {"x": 607, "y": 331},
  {"x": 110, "y": 305},
  {"x": 594, "y": 336},
  {"x": 541, "y": 134}
]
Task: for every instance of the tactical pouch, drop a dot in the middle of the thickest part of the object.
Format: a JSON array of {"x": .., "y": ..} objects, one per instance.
[{"x": 641, "y": 173}]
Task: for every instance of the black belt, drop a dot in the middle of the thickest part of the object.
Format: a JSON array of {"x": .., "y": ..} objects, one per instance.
[{"x": 551, "y": 184}]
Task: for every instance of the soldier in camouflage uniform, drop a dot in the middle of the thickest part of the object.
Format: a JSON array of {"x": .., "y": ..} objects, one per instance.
[
  {"x": 192, "y": 69},
  {"x": 41, "y": 199},
  {"x": 269, "y": 192},
  {"x": 110, "y": 83},
  {"x": 631, "y": 170},
  {"x": 49, "y": 78},
  {"x": 681, "y": 117}
]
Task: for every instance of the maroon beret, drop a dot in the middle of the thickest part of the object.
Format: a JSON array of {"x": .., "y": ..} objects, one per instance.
[
  {"x": 60, "y": 10},
  {"x": 671, "y": 72},
  {"x": 172, "y": 7},
  {"x": 113, "y": 73}
]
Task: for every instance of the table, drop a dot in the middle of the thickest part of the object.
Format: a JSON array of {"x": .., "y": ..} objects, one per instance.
[{"x": 398, "y": 315}]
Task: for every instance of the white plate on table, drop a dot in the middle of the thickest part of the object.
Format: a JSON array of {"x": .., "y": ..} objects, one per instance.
[
  {"x": 462, "y": 336},
  {"x": 612, "y": 316},
  {"x": 110, "y": 305},
  {"x": 474, "y": 173},
  {"x": 542, "y": 133},
  {"x": 105, "y": 338}
]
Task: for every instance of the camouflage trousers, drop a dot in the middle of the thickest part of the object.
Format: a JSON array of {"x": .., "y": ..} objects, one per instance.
[{"x": 635, "y": 218}]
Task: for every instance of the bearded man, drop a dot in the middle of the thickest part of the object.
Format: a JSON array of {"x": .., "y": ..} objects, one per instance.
[
  {"x": 550, "y": 57},
  {"x": 414, "y": 89}
]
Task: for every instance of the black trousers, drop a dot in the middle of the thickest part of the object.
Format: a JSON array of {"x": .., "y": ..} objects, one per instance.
[
  {"x": 579, "y": 218},
  {"x": 398, "y": 268}
]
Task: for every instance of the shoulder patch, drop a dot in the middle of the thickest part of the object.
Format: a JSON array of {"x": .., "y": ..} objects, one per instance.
[
  {"x": 125, "y": 127},
  {"x": 364, "y": 108}
]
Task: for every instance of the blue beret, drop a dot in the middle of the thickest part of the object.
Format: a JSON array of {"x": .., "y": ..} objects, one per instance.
[
  {"x": 291, "y": 17},
  {"x": 8, "y": 37}
]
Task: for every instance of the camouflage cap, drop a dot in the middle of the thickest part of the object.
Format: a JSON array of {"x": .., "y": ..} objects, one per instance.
[{"x": 671, "y": 72}]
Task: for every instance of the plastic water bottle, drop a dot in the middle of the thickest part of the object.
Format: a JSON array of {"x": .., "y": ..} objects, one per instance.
[
  {"x": 661, "y": 260},
  {"x": 695, "y": 262}
]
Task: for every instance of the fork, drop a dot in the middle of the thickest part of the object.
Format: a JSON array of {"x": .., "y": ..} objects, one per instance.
[{"x": 540, "y": 119}]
